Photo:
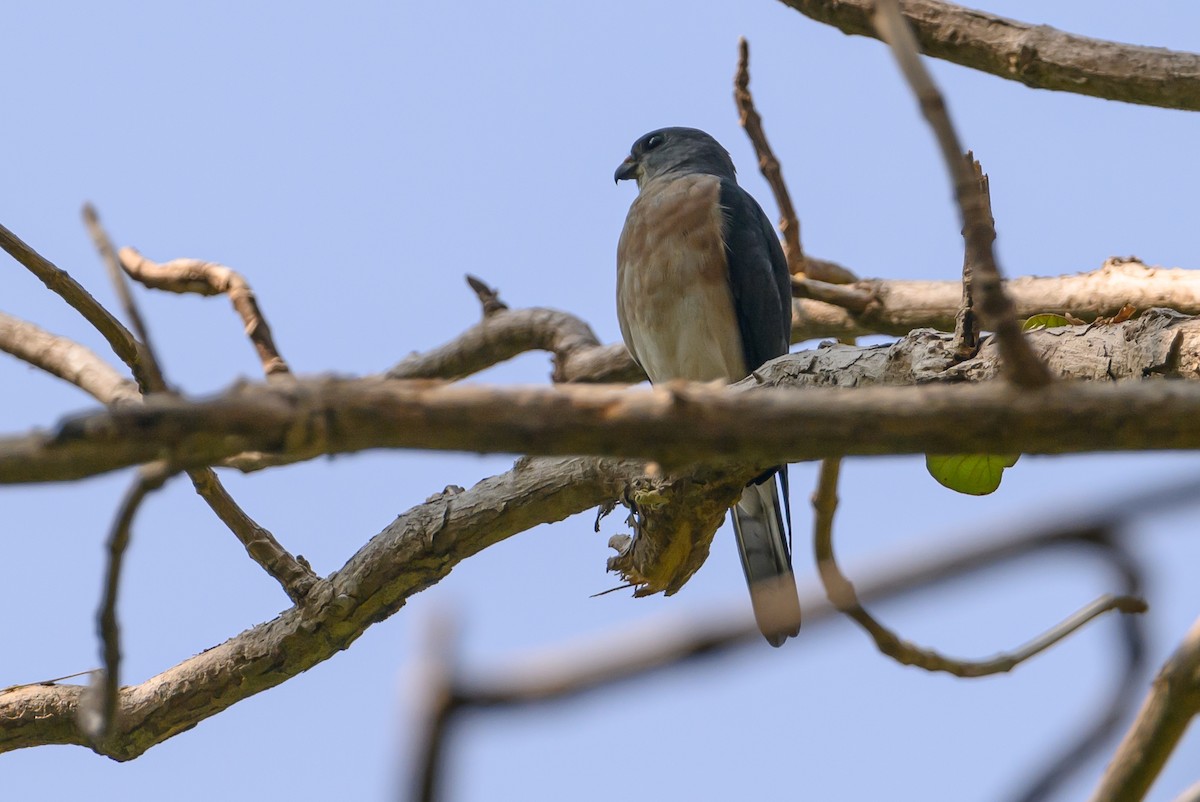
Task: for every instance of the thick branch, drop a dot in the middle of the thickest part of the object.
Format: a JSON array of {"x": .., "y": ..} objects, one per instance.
[
  {"x": 886, "y": 306},
  {"x": 679, "y": 424},
  {"x": 1036, "y": 55},
  {"x": 414, "y": 552}
]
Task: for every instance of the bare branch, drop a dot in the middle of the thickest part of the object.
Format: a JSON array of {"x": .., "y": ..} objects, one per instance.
[
  {"x": 436, "y": 703},
  {"x": 98, "y": 721},
  {"x": 678, "y": 424},
  {"x": 66, "y": 359},
  {"x": 60, "y": 283},
  {"x": 209, "y": 278},
  {"x": 966, "y": 322},
  {"x": 842, "y": 595},
  {"x": 768, "y": 164},
  {"x": 412, "y": 553},
  {"x": 420, "y": 548},
  {"x": 504, "y": 333},
  {"x": 996, "y": 310},
  {"x": 1173, "y": 702},
  {"x": 899, "y": 306},
  {"x": 151, "y": 376},
  {"x": 1108, "y": 719},
  {"x": 296, "y": 578},
  {"x": 670, "y": 641},
  {"x": 846, "y": 296},
  {"x": 1036, "y": 55}
]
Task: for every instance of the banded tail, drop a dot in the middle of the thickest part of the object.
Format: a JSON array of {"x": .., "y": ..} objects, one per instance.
[{"x": 762, "y": 538}]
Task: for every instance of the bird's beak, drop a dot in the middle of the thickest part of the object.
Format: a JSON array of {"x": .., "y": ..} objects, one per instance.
[{"x": 628, "y": 169}]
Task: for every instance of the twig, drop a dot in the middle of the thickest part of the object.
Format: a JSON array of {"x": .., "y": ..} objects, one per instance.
[
  {"x": 748, "y": 117},
  {"x": 1173, "y": 701},
  {"x": 151, "y": 378},
  {"x": 60, "y": 283},
  {"x": 966, "y": 323},
  {"x": 996, "y": 310},
  {"x": 842, "y": 595},
  {"x": 294, "y": 577},
  {"x": 1075, "y": 755},
  {"x": 1036, "y": 55},
  {"x": 68, "y": 360},
  {"x": 433, "y": 689},
  {"x": 98, "y": 722},
  {"x": 489, "y": 298},
  {"x": 209, "y": 278}
]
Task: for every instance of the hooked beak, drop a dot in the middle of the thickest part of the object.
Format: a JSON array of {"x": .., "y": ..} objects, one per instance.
[{"x": 628, "y": 169}]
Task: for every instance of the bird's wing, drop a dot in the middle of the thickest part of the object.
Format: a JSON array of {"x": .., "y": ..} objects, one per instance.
[
  {"x": 758, "y": 277},
  {"x": 761, "y": 287}
]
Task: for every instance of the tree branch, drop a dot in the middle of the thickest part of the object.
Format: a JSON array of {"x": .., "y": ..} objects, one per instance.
[
  {"x": 60, "y": 283},
  {"x": 768, "y": 164},
  {"x": 680, "y": 424},
  {"x": 1173, "y": 702},
  {"x": 209, "y": 278},
  {"x": 504, "y": 333},
  {"x": 668, "y": 642},
  {"x": 1038, "y": 56},
  {"x": 966, "y": 322},
  {"x": 296, "y": 578},
  {"x": 996, "y": 311},
  {"x": 414, "y": 552},
  {"x": 99, "y": 706},
  {"x": 66, "y": 359},
  {"x": 148, "y": 371},
  {"x": 886, "y": 306},
  {"x": 843, "y": 596}
]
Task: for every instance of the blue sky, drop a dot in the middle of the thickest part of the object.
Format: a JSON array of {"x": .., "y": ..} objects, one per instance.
[{"x": 354, "y": 163}]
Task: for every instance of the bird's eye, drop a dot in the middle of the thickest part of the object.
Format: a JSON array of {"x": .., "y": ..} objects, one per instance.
[{"x": 654, "y": 141}]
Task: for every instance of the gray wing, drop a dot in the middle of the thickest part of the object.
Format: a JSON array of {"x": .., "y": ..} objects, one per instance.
[
  {"x": 758, "y": 277},
  {"x": 761, "y": 287}
]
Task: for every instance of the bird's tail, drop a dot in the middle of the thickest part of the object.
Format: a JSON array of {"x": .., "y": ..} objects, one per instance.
[{"x": 762, "y": 539}]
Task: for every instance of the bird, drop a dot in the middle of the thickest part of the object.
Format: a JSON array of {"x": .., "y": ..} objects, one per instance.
[{"x": 704, "y": 294}]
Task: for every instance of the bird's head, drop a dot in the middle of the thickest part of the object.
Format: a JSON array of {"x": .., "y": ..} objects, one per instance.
[{"x": 675, "y": 150}]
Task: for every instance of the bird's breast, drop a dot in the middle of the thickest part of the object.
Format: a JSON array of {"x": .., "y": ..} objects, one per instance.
[{"x": 673, "y": 295}]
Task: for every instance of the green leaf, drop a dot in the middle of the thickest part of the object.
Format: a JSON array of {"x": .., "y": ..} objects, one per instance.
[
  {"x": 1046, "y": 320},
  {"x": 974, "y": 474}
]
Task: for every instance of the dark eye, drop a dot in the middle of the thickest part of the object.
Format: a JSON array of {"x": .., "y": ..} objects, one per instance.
[{"x": 654, "y": 141}]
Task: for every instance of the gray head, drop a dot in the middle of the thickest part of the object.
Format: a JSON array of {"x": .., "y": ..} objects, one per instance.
[{"x": 675, "y": 150}]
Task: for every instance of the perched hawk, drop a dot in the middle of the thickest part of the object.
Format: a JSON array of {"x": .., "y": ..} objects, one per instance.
[{"x": 703, "y": 293}]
